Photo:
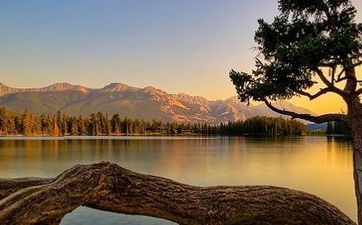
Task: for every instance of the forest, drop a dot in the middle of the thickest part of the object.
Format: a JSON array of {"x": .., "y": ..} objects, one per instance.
[
  {"x": 338, "y": 128},
  {"x": 98, "y": 124}
]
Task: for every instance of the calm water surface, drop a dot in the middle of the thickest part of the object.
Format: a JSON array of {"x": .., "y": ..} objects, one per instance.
[{"x": 318, "y": 165}]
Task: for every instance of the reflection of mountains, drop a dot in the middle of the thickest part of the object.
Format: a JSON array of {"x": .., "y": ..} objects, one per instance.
[
  {"x": 232, "y": 161},
  {"x": 144, "y": 103}
]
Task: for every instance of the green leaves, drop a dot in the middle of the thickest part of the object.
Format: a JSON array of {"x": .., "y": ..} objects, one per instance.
[
  {"x": 310, "y": 7},
  {"x": 302, "y": 6},
  {"x": 306, "y": 34}
]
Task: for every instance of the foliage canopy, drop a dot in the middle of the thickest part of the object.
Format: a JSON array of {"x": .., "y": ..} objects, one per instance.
[{"x": 304, "y": 38}]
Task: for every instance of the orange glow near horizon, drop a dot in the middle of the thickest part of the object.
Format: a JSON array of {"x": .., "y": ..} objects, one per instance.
[{"x": 328, "y": 103}]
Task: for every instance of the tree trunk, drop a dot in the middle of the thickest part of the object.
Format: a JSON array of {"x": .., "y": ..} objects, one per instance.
[
  {"x": 109, "y": 187},
  {"x": 357, "y": 174},
  {"x": 355, "y": 122}
]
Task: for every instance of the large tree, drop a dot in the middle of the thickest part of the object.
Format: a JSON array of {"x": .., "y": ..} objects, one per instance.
[{"x": 310, "y": 44}]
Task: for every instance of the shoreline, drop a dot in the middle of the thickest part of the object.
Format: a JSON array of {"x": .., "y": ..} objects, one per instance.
[{"x": 149, "y": 137}]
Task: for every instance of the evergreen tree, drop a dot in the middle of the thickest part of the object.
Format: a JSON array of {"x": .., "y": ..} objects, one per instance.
[
  {"x": 116, "y": 124},
  {"x": 310, "y": 42}
]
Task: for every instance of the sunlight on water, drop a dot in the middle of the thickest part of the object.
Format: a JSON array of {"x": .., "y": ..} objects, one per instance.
[{"x": 313, "y": 164}]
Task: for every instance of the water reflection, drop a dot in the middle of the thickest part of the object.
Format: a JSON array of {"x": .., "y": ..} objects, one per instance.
[{"x": 314, "y": 164}]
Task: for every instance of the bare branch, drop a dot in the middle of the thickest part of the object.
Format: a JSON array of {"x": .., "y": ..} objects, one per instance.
[
  {"x": 332, "y": 65},
  {"x": 322, "y": 77},
  {"x": 259, "y": 61},
  {"x": 359, "y": 91},
  {"x": 330, "y": 86},
  {"x": 339, "y": 76},
  {"x": 109, "y": 187},
  {"x": 311, "y": 118},
  {"x": 328, "y": 65},
  {"x": 357, "y": 64},
  {"x": 9, "y": 186},
  {"x": 341, "y": 79},
  {"x": 316, "y": 95},
  {"x": 310, "y": 96},
  {"x": 333, "y": 74}
]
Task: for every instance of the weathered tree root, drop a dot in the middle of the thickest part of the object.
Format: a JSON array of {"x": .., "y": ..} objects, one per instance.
[{"x": 107, "y": 186}]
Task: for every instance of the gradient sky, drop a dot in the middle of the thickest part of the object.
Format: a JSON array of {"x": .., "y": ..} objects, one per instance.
[{"x": 179, "y": 46}]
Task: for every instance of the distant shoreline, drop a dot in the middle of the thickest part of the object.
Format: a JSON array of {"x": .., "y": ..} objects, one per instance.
[
  {"x": 130, "y": 137},
  {"x": 139, "y": 137}
]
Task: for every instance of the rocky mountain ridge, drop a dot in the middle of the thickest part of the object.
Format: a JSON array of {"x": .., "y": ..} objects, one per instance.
[{"x": 143, "y": 103}]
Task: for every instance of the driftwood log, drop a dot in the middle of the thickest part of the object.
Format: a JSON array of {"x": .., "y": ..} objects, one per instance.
[{"x": 109, "y": 187}]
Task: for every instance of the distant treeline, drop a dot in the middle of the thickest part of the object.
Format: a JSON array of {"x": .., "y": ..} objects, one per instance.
[
  {"x": 30, "y": 124},
  {"x": 338, "y": 128}
]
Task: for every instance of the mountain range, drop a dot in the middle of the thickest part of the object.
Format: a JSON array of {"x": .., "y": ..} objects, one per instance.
[{"x": 143, "y": 103}]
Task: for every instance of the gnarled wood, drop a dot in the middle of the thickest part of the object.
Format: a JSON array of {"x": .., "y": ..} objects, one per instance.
[
  {"x": 107, "y": 186},
  {"x": 9, "y": 186}
]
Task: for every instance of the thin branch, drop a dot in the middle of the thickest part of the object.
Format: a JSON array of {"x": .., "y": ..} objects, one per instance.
[
  {"x": 330, "y": 86},
  {"x": 359, "y": 91},
  {"x": 339, "y": 77},
  {"x": 357, "y": 64},
  {"x": 309, "y": 95},
  {"x": 316, "y": 95},
  {"x": 322, "y": 77},
  {"x": 259, "y": 61},
  {"x": 309, "y": 117},
  {"x": 333, "y": 74},
  {"x": 329, "y": 65}
]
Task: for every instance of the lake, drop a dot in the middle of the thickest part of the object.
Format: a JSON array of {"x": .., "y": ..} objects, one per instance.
[{"x": 315, "y": 164}]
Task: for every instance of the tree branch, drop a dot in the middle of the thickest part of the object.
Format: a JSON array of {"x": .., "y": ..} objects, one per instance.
[
  {"x": 333, "y": 74},
  {"x": 326, "y": 64},
  {"x": 333, "y": 65},
  {"x": 359, "y": 91},
  {"x": 357, "y": 64},
  {"x": 316, "y": 95},
  {"x": 107, "y": 186},
  {"x": 9, "y": 186},
  {"x": 350, "y": 76},
  {"x": 323, "y": 78},
  {"x": 330, "y": 85},
  {"x": 339, "y": 77},
  {"x": 311, "y": 118}
]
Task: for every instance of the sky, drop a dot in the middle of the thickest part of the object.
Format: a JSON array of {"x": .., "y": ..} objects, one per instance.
[{"x": 176, "y": 45}]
